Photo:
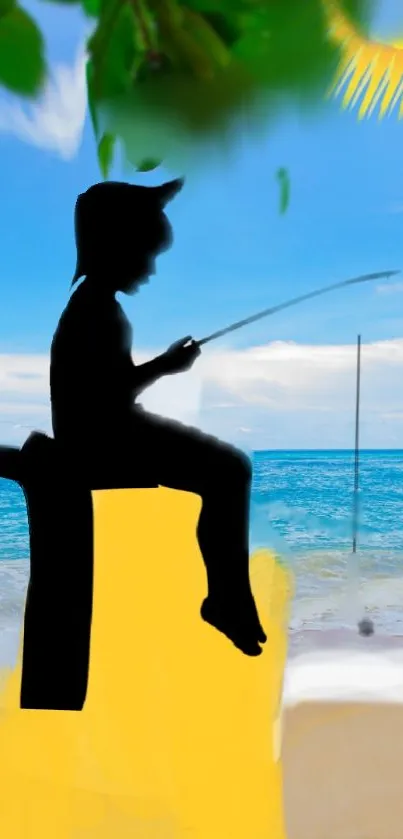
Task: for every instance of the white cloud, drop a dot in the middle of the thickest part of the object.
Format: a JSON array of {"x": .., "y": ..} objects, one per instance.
[
  {"x": 281, "y": 395},
  {"x": 292, "y": 395},
  {"x": 24, "y": 396},
  {"x": 55, "y": 121},
  {"x": 389, "y": 288}
]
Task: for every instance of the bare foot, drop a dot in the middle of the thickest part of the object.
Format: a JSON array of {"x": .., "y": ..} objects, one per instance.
[{"x": 238, "y": 625}]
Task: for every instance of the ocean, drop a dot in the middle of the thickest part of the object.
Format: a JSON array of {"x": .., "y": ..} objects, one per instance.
[{"x": 302, "y": 508}]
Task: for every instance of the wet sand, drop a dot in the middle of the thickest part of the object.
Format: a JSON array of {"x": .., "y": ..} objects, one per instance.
[
  {"x": 342, "y": 748},
  {"x": 309, "y": 640}
]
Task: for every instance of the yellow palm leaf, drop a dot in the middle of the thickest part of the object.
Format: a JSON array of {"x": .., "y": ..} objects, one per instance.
[{"x": 370, "y": 74}]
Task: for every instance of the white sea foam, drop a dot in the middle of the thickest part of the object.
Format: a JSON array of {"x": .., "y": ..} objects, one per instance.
[
  {"x": 341, "y": 600},
  {"x": 13, "y": 587},
  {"x": 346, "y": 674}
]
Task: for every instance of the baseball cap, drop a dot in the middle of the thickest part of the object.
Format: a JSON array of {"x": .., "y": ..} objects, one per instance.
[{"x": 105, "y": 204}]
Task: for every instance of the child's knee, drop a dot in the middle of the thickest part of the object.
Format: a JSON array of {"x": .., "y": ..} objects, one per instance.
[
  {"x": 232, "y": 464},
  {"x": 241, "y": 466}
]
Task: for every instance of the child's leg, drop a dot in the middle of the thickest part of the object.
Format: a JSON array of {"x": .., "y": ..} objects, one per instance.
[
  {"x": 223, "y": 529},
  {"x": 188, "y": 460}
]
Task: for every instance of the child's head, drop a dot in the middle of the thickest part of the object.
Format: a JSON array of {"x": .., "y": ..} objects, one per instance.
[{"x": 120, "y": 230}]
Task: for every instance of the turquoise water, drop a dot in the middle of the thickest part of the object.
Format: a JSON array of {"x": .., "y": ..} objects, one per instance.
[
  {"x": 301, "y": 507},
  {"x": 307, "y": 497}
]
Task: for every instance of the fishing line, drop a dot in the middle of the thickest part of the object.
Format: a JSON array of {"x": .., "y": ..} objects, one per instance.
[{"x": 295, "y": 300}]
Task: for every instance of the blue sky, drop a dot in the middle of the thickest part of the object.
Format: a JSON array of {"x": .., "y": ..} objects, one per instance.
[{"x": 234, "y": 254}]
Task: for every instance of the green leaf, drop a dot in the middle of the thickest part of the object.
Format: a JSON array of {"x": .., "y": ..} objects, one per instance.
[
  {"x": 360, "y": 12},
  {"x": 65, "y": 2},
  {"x": 225, "y": 26},
  {"x": 22, "y": 58},
  {"x": 284, "y": 183},
  {"x": 146, "y": 35},
  {"x": 106, "y": 148},
  {"x": 113, "y": 50},
  {"x": 225, "y": 7},
  {"x": 92, "y": 8},
  {"x": 281, "y": 58},
  {"x": 147, "y": 165},
  {"x": 6, "y": 6}
]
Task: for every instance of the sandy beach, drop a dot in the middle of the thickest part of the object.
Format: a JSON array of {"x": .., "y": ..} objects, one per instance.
[
  {"x": 343, "y": 769},
  {"x": 342, "y": 746}
]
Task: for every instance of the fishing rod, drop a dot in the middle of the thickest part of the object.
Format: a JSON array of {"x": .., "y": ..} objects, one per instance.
[
  {"x": 357, "y": 447},
  {"x": 273, "y": 309},
  {"x": 365, "y": 625}
]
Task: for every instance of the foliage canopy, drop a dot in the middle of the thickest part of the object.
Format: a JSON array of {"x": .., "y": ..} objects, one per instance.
[{"x": 165, "y": 76}]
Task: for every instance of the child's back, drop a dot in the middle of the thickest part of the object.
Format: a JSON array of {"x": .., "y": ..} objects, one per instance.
[{"x": 91, "y": 369}]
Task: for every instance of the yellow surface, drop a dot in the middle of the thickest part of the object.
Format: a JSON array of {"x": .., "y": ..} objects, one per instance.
[{"x": 176, "y": 740}]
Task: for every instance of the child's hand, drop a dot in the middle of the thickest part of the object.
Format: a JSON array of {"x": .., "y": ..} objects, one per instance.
[{"x": 179, "y": 357}]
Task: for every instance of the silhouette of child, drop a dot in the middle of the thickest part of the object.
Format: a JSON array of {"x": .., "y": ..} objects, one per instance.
[{"x": 120, "y": 229}]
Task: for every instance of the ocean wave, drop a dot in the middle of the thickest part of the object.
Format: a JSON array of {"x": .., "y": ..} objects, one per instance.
[
  {"x": 13, "y": 587},
  {"x": 336, "y": 589}
]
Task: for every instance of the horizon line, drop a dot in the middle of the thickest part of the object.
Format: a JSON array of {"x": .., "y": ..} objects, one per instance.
[{"x": 329, "y": 449}]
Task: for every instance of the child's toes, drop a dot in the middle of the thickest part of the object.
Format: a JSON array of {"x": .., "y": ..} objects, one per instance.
[
  {"x": 261, "y": 636},
  {"x": 250, "y": 648}
]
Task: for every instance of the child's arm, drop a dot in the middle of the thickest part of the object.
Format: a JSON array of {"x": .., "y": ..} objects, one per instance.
[
  {"x": 176, "y": 359},
  {"x": 147, "y": 374}
]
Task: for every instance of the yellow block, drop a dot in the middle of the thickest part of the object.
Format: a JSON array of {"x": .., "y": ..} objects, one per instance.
[{"x": 177, "y": 738}]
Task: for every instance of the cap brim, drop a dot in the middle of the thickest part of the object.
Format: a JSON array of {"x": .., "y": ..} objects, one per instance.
[{"x": 166, "y": 192}]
